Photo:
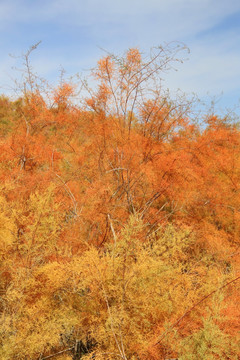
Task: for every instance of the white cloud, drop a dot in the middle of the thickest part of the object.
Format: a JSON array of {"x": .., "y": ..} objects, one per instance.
[{"x": 179, "y": 15}]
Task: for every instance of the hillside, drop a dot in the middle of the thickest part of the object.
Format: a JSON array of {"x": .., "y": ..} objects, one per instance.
[{"x": 120, "y": 221}]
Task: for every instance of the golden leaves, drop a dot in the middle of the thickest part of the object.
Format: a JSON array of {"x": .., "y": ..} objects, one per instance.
[{"x": 116, "y": 220}]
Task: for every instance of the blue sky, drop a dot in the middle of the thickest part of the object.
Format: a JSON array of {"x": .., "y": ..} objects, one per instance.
[{"x": 74, "y": 31}]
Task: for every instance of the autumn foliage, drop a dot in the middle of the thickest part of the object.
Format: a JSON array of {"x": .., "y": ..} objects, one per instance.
[{"x": 120, "y": 221}]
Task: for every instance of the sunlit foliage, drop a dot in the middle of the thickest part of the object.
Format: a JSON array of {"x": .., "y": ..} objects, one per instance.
[{"x": 119, "y": 222}]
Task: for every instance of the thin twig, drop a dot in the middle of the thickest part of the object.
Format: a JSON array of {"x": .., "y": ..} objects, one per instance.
[
  {"x": 112, "y": 228},
  {"x": 192, "y": 308},
  {"x": 58, "y": 353}
]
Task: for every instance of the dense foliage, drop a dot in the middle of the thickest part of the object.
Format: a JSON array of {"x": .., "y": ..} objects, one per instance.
[{"x": 119, "y": 223}]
